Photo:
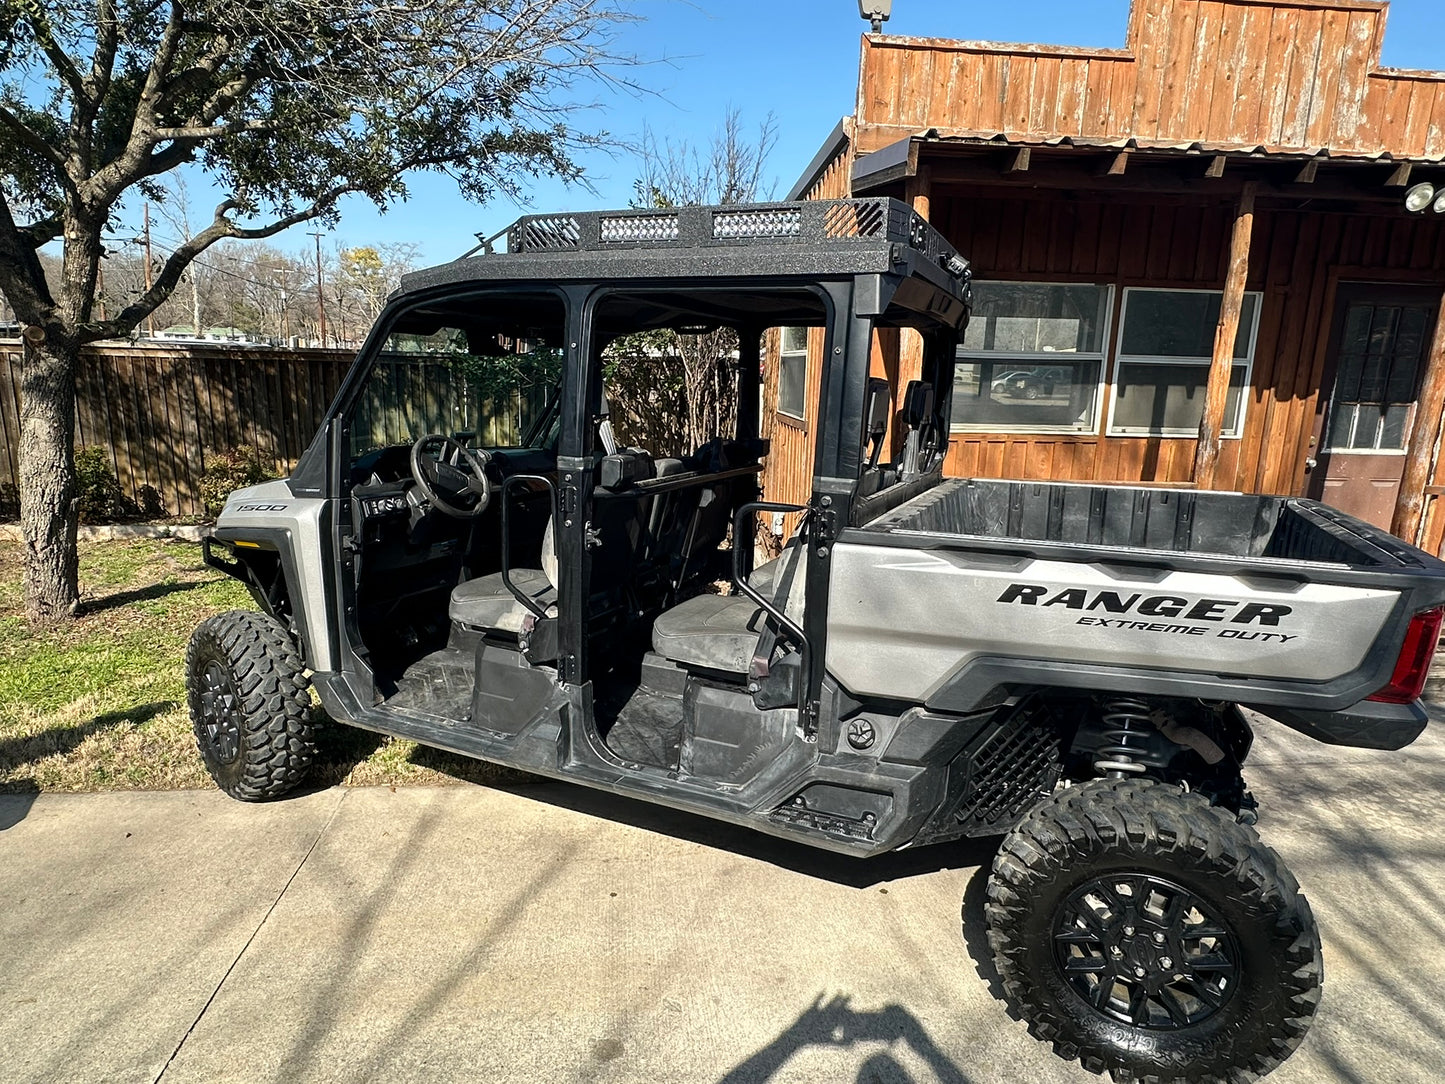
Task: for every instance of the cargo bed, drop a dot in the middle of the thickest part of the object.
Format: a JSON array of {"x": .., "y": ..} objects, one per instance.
[
  {"x": 1181, "y": 521},
  {"x": 973, "y": 586}
]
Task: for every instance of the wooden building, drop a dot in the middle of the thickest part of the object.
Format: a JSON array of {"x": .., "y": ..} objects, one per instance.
[{"x": 1194, "y": 260}]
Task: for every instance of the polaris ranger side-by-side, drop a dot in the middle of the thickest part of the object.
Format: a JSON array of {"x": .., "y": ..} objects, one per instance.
[{"x": 466, "y": 556}]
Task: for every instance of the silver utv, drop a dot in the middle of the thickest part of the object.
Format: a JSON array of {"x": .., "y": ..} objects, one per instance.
[{"x": 470, "y": 555}]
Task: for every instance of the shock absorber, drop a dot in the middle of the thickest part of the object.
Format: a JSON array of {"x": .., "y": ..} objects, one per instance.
[{"x": 1125, "y": 730}]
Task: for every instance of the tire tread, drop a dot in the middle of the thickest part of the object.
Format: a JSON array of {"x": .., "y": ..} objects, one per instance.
[
  {"x": 1104, "y": 817},
  {"x": 277, "y": 746}
]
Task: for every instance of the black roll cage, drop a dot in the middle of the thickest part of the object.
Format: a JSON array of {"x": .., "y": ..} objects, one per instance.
[{"x": 853, "y": 305}]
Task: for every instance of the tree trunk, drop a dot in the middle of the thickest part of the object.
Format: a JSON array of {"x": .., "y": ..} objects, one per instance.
[{"x": 48, "y": 507}]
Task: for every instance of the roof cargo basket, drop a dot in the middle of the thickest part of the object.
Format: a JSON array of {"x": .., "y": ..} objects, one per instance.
[{"x": 810, "y": 222}]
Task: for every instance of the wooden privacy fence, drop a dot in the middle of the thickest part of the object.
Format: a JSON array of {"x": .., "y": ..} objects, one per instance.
[{"x": 157, "y": 411}]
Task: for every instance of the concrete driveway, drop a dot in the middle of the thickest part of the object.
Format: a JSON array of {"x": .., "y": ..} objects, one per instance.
[{"x": 551, "y": 934}]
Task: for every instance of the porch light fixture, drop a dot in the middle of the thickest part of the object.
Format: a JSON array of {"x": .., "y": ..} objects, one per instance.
[
  {"x": 1419, "y": 197},
  {"x": 876, "y": 12}
]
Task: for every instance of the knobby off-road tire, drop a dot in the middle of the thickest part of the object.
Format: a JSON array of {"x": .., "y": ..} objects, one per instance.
[
  {"x": 250, "y": 708},
  {"x": 1148, "y": 935}
]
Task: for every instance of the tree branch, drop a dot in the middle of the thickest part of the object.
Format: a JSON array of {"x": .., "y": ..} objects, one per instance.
[
  {"x": 117, "y": 175},
  {"x": 214, "y": 131},
  {"x": 102, "y": 62},
  {"x": 64, "y": 66},
  {"x": 21, "y": 275},
  {"x": 221, "y": 227},
  {"x": 33, "y": 140}
]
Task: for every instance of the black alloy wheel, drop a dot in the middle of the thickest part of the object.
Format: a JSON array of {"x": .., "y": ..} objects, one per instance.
[
  {"x": 218, "y": 730},
  {"x": 1145, "y": 951},
  {"x": 250, "y": 704},
  {"x": 1148, "y": 935}
]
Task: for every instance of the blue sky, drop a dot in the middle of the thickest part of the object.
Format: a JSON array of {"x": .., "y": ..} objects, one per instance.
[{"x": 797, "y": 58}]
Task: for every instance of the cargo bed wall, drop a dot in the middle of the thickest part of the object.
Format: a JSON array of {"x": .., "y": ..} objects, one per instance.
[{"x": 1181, "y": 521}]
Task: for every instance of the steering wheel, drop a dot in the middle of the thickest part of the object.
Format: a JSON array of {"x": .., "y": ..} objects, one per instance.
[{"x": 453, "y": 477}]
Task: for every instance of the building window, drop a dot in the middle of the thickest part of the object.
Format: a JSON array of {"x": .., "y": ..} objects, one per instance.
[
  {"x": 1166, "y": 339},
  {"x": 1031, "y": 357},
  {"x": 792, "y": 371}
]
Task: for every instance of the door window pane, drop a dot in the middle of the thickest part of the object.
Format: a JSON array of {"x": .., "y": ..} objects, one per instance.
[
  {"x": 1030, "y": 357},
  {"x": 1376, "y": 375}
]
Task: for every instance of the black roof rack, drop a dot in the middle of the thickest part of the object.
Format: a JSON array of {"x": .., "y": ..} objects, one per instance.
[{"x": 810, "y": 222}]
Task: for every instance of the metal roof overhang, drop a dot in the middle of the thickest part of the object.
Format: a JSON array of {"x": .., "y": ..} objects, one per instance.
[{"x": 1191, "y": 169}]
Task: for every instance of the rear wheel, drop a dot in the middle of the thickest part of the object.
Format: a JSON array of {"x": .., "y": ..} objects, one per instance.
[
  {"x": 1146, "y": 934},
  {"x": 250, "y": 709}
]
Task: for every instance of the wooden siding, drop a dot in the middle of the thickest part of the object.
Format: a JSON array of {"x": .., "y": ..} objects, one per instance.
[
  {"x": 157, "y": 411},
  {"x": 1300, "y": 257},
  {"x": 1300, "y": 77}
]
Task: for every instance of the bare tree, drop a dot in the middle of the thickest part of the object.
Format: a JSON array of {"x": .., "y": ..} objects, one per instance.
[
  {"x": 671, "y": 380},
  {"x": 175, "y": 210},
  {"x": 287, "y": 105},
  {"x": 730, "y": 168}
]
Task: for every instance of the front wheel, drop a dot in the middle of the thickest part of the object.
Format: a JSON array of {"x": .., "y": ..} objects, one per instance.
[
  {"x": 250, "y": 709},
  {"x": 1147, "y": 934}
]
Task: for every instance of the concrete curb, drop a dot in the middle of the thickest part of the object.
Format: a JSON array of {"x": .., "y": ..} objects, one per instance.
[{"x": 10, "y": 532}]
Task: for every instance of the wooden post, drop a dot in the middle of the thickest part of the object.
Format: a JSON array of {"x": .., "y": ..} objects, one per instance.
[
  {"x": 1221, "y": 366},
  {"x": 1420, "y": 449},
  {"x": 910, "y": 342}
]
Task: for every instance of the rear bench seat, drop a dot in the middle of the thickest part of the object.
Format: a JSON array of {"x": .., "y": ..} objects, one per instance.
[{"x": 721, "y": 632}]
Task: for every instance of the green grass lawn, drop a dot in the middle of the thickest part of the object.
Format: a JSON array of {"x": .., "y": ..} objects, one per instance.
[{"x": 100, "y": 703}]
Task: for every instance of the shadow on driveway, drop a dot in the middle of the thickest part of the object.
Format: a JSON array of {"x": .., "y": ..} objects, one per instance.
[
  {"x": 836, "y": 1023},
  {"x": 751, "y": 843},
  {"x": 14, "y": 808}
]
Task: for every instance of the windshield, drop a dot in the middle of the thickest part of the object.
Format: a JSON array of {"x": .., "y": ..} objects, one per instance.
[{"x": 484, "y": 370}]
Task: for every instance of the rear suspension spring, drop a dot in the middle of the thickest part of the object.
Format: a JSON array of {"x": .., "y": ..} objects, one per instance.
[{"x": 1126, "y": 725}]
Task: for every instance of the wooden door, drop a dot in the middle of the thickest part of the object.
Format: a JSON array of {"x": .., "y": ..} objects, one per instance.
[{"x": 1378, "y": 344}]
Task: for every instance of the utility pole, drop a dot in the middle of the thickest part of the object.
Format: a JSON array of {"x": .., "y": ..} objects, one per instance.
[
  {"x": 320, "y": 300},
  {"x": 285, "y": 313},
  {"x": 150, "y": 316},
  {"x": 341, "y": 317},
  {"x": 100, "y": 286}
]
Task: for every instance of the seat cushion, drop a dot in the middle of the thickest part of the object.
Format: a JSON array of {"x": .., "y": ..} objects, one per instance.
[
  {"x": 717, "y": 632},
  {"x": 721, "y": 632},
  {"x": 485, "y": 602}
]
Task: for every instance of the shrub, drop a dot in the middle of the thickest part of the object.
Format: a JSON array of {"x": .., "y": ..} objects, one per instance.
[
  {"x": 101, "y": 500},
  {"x": 232, "y": 469}
]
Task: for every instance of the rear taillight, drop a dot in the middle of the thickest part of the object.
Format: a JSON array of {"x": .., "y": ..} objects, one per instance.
[{"x": 1413, "y": 665}]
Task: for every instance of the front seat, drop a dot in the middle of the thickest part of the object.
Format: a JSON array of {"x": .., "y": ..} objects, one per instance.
[
  {"x": 620, "y": 524},
  {"x": 485, "y": 603}
]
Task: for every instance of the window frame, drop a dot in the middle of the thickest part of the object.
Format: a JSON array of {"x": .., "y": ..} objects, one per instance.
[
  {"x": 962, "y": 356},
  {"x": 1121, "y": 359},
  {"x": 793, "y": 355}
]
